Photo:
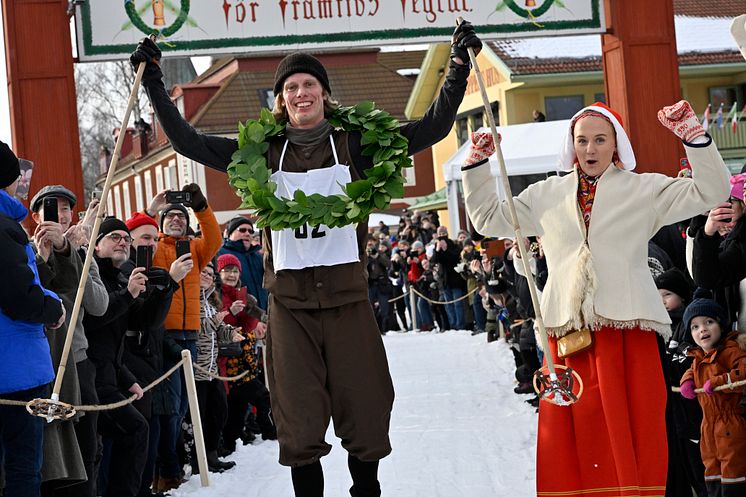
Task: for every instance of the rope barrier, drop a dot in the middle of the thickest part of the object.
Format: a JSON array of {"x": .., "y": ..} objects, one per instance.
[
  {"x": 105, "y": 407},
  {"x": 446, "y": 302},
  {"x": 399, "y": 297},
  {"x": 217, "y": 376},
  {"x": 730, "y": 386}
]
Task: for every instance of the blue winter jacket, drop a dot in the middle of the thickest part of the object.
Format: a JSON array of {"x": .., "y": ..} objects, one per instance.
[
  {"x": 252, "y": 268},
  {"x": 25, "y": 306}
]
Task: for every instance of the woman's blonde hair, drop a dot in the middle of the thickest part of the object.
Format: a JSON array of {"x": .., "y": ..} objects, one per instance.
[{"x": 281, "y": 113}]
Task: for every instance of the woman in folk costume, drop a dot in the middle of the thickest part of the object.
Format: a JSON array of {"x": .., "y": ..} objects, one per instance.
[{"x": 594, "y": 224}]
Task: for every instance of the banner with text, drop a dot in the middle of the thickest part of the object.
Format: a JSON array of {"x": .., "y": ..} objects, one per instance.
[{"x": 110, "y": 29}]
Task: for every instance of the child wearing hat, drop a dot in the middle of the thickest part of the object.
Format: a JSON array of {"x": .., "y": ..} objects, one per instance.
[
  {"x": 683, "y": 416},
  {"x": 242, "y": 311},
  {"x": 719, "y": 360}
]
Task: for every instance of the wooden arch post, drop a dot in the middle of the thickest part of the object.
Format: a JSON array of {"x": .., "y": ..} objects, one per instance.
[
  {"x": 641, "y": 75},
  {"x": 41, "y": 90}
]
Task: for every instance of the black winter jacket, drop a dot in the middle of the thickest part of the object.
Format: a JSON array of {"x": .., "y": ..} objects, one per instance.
[{"x": 106, "y": 334}]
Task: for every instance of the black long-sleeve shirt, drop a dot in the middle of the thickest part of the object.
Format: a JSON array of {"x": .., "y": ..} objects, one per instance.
[{"x": 324, "y": 286}]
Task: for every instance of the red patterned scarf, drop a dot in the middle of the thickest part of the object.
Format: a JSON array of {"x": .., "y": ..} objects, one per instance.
[{"x": 586, "y": 194}]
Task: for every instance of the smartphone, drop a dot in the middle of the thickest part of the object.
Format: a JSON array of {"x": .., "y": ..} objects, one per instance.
[
  {"x": 96, "y": 194},
  {"x": 729, "y": 219},
  {"x": 178, "y": 197},
  {"x": 144, "y": 257},
  {"x": 242, "y": 294},
  {"x": 182, "y": 247},
  {"x": 50, "y": 209}
]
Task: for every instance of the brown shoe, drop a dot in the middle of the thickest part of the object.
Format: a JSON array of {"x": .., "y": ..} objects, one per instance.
[{"x": 166, "y": 484}]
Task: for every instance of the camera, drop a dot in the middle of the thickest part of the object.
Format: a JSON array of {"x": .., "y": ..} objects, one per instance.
[
  {"x": 462, "y": 267},
  {"x": 178, "y": 197}
]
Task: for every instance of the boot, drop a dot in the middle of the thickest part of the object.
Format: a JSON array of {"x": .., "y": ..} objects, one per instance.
[
  {"x": 214, "y": 462},
  {"x": 308, "y": 480},
  {"x": 247, "y": 437},
  {"x": 524, "y": 387},
  {"x": 364, "y": 477}
]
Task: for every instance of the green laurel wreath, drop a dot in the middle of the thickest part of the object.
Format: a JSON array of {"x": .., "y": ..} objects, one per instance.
[
  {"x": 249, "y": 176},
  {"x": 129, "y": 7}
]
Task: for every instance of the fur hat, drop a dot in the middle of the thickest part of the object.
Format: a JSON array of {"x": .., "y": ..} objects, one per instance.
[
  {"x": 52, "y": 191},
  {"x": 110, "y": 224},
  {"x": 674, "y": 280},
  {"x": 175, "y": 207},
  {"x": 300, "y": 62},
  {"x": 704, "y": 305},
  {"x": 10, "y": 169},
  {"x": 623, "y": 145},
  {"x": 228, "y": 260}
]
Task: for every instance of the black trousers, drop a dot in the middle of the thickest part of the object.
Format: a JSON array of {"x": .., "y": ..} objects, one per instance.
[
  {"x": 240, "y": 396},
  {"x": 213, "y": 411},
  {"x": 86, "y": 431},
  {"x": 127, "y": 430}
]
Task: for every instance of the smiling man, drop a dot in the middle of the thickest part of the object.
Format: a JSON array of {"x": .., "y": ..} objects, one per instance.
[
  {"x": 325, "y": 355},
  {"x": 183, "y": 320}
]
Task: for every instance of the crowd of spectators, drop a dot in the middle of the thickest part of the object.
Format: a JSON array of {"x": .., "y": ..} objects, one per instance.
[{"x": 158, "y": 286}]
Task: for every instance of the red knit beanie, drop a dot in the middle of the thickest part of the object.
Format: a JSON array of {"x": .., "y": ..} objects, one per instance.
[
  {"x": 140, "y": 219},
  {"x": 228, "y": 260}
]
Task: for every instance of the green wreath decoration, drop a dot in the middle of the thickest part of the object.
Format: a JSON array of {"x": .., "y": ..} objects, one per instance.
[
  {"x": 249, "y": 176},
  {"x": 129, "y": 7}
]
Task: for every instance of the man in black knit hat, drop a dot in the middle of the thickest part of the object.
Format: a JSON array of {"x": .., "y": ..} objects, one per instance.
[{"x": 325, "y": 354}]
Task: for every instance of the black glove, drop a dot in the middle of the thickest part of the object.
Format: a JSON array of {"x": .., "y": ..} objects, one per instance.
[
  {"x": 198, "y": 202},
  {"x": 464, "y": 37},
  {"x": 148, "y": 52}
]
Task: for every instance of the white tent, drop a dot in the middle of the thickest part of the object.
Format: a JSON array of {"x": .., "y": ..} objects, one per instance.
[{"x": 531, "y": 148}]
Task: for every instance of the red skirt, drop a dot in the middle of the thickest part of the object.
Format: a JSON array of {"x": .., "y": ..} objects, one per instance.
[{"x": 612, "y": 442}]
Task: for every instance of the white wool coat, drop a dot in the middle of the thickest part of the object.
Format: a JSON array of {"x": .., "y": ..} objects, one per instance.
[{"x": 600, "y": 277}]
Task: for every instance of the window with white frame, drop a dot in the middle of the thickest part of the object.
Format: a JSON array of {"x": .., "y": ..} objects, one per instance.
[
  {"x": 138, "y": 194},
  {"x": 117, "y": 203},
  {"x": 127, "y": 202},
  {"x": 148, "y": 187},
  {"x": 159, "y": 186}
]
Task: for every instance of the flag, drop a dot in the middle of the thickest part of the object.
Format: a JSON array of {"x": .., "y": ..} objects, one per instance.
[
  {"x": 733, "y": 116},
  {"x": 706, "y": 118},
  {"x": 719, "y": 117}
]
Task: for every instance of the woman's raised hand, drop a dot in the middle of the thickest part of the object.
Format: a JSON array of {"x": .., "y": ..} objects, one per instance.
[{"x": 682, "y": 121}]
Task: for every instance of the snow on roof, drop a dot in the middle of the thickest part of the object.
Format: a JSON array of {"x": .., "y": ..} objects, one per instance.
[{"x": 693, "y": 34}]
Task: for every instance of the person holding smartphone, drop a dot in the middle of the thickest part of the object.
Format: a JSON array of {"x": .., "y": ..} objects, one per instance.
[
  {"x": 242, "y": 313},
  {"x": 60, "y": 262},
  {"x": 183, "y": 320},
  {"x": 719, "y": 251},
  {"x": 26, "y": 307}
]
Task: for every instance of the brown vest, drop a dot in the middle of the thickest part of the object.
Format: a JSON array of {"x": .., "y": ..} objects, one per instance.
[{"x": 324, "y": 286}]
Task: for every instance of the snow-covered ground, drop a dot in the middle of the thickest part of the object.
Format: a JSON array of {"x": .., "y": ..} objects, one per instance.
[{"x": 457, "y": 429}]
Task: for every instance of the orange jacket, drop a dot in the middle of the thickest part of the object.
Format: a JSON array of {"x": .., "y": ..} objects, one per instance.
[
  {"x": 723, "y": 442},
  {"x": 184, "y": 313}
]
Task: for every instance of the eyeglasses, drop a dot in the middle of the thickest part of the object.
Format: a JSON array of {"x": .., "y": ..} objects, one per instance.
[
  {"x": 231, "y": 270},
  {"x": 116, "y": 238},
  {"x": 245, "y": 230},
  {"x": 172, "y": 215},
  {"x": 208, "y": 273}
]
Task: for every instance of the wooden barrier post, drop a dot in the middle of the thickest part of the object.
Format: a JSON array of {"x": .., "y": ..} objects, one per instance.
[{"x": 199, "y": 440}]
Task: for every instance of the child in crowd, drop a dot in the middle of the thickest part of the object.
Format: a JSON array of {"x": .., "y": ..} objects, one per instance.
[
  {"x": 243, "y": 313},
  {"x": 683, "y": 416},
  {"x": 213, "y": 405},
  {"x": 719, "y": 359}
]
